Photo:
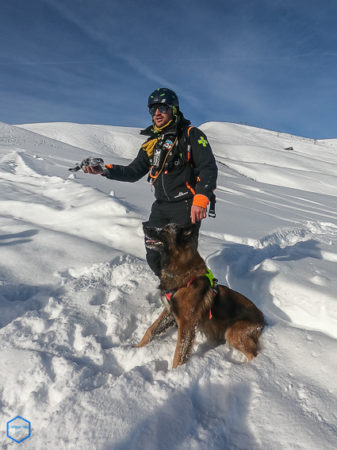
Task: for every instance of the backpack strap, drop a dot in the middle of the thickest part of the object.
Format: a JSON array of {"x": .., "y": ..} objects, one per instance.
[
  {"x": 188, "y": 144},
  {"x": 211, "y": 212}
]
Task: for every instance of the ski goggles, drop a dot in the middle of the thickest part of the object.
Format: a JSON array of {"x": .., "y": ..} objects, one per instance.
[{"x": 162, "y": 107}]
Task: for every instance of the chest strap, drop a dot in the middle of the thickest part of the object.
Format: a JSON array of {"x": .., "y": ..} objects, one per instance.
[{"x": 213, "y": 282}]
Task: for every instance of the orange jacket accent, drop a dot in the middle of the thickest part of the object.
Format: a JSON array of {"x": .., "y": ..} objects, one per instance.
[
  {"x": 109, "y": 166},
  {"x": 200, "y": 200},
  {"x": 190, "y": 188}
]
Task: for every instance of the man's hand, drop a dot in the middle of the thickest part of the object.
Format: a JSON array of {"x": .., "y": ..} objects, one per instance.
[
  {"x": 97, "y": 170},
  {"x": 90, "y": 165},
  {"x": 198, "y": 213}
]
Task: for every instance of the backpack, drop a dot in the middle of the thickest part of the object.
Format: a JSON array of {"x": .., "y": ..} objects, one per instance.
[{"x": 188, "y": 159}]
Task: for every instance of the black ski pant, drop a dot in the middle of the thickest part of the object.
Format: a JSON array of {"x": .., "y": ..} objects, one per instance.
[{"x": 163, "y": 213}]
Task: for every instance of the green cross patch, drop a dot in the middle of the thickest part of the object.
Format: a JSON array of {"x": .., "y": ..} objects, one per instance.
[{"x": 202, "y": 141}]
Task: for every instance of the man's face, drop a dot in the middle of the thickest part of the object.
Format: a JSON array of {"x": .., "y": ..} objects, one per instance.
[{"x": 160, "y": 119}]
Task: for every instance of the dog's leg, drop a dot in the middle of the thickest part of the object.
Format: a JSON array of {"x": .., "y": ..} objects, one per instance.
[
  {"x": 186, "y": 336},
  {"x": 243, "y": 336},
  {"x": 188, "y": 307},
  {"x": 163, "y": 323}
]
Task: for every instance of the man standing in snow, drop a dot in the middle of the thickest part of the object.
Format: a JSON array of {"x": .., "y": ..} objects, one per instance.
[{"x": 180, "y": 165}]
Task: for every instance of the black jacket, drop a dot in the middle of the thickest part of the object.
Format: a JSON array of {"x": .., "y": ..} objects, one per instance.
[{"x": 185, "y": 174}]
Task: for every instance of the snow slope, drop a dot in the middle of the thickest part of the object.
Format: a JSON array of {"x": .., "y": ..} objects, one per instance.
[{"x": 76, "y": 295}]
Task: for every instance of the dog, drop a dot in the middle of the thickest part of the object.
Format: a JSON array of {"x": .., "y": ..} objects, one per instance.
[{"x": 193, "y": 300}]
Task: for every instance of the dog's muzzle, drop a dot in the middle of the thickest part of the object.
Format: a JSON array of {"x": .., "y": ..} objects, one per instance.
[
  {"x": 153, "y": 243},
  {"x": 151, "y": 236}
]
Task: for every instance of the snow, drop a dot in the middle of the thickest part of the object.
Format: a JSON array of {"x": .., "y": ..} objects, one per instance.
[{"x": 76, "y": 295}]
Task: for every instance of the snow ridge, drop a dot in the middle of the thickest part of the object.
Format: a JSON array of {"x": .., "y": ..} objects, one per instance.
[{"x": 76, "y": 295}]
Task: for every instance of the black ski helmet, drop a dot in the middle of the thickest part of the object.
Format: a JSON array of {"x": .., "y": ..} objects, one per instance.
[{"x": 163, "y": 95}]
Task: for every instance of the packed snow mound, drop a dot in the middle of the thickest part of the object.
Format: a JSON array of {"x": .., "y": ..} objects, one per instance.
[{"x": 76, "y": 295}]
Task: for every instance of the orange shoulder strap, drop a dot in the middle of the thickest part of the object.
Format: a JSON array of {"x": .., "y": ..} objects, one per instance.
[{"x": 188, "y": 144}]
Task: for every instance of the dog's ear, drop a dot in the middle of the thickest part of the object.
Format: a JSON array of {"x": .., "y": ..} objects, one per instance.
[{"x": 187, "y": 232}]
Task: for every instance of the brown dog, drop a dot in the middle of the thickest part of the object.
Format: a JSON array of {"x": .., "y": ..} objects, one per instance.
[{"x": 194, "y": 300}]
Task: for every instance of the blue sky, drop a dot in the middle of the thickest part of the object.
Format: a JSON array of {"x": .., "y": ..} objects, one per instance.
[{"x": 266, "y": 63}]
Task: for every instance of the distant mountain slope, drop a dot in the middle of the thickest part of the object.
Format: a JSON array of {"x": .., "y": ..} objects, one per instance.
[
  {"x": 263, "y": 155},
  {"x": 102, "y": 139}
]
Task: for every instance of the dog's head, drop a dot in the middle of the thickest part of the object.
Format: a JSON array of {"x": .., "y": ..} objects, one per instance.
[{"x": 171, "y": 237}]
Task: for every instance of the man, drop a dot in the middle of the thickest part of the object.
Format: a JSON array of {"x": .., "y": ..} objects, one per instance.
[{"x": 180, "y": 165}]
